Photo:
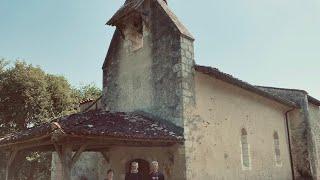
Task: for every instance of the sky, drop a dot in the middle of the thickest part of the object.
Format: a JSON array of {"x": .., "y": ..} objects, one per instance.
[{"x": 264, "y": 42}]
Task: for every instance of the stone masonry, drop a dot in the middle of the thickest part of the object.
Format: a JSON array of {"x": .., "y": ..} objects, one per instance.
[{"x": 304, "y": 131}]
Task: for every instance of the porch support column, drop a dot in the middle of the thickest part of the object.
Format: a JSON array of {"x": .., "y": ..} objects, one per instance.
[
  {"x": 9, "y": 164},
  {"x": 77, "y": 155},
  {"x": 67, "y": 160},
  {"x": 65, "y": 155},
  {"x": 105, "y": 156}
]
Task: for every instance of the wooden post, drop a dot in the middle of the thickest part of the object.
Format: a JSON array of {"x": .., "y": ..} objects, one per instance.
[
  {"x": 65, "y": 155},
  {"x": 76, "y": 156},
  {"x": 105, "y": 156},
  {"x": 66, "y": 161},
  {"x": 9, "y": 164}
]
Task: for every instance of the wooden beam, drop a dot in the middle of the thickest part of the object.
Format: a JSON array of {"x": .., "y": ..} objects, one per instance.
[
  {"x": 44, "y": 148},
  {"x": 78, "y": 153},
  {"x": 108, "y": 142},
  {"x": 106, "y": 138},
  {"x": 58, "y": 150},
  {"x": 105, "y": 156},
  {"x": 9, "y": 164},
  {"x": 27, "y": 144}
]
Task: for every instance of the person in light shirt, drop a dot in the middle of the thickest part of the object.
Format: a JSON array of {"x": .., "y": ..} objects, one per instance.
[{"x": 155, "y": 173}]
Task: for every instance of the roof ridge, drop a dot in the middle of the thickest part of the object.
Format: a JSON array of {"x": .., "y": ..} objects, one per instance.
[
  {"x": 130, "y": 6},
  {"x": 280, "y": 88}
]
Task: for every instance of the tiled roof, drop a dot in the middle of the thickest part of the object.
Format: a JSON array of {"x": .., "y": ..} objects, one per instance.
[
  {"x": 183, "y": 30},
  {"x": 128, "y": 7},
  {"x": 84, "y": 101},
  {"x": 214, "y": 72},
  {"x": 310, "y": 98},
  {"x": 313, "y": 100},
  {"x": 119, "y": 125},
  {"x": 134, "y": 5}
]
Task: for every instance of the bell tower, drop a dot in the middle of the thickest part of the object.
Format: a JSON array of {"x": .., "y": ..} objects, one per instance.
[{"x": 149, "y": 66}]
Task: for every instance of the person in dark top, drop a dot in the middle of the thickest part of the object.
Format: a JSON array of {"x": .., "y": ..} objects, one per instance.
[
  {"x": 134, "y": 173},
  {"x": 155, "y": 173},
  {"x": 110, "y": 174}
]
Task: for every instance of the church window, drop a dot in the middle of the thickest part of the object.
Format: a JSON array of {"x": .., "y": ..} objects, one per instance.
[
  {"x": 245, "y": 150},
  {"x": 277, "y": 148}
]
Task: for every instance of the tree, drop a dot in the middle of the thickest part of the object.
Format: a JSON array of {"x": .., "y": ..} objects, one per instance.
[
  {"x": 3, "y": 64},
  {"x": 29, "y": 97},
  {"x": 24, "y": 97},
  {"x": 63, "y": 100},
  {"x": 90, "y": 91}
]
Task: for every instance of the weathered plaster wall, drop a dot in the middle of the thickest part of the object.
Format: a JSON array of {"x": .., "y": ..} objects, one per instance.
[
  {"x": 94, "y": 166},
  {"x": 314, "y": 114},
  {"x": 213, "y": 133},
  {"x": 129, "y": 86}
]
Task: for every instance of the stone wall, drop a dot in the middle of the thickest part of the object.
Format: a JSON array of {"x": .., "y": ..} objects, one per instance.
[
  {"x": 314, "y": 114},
  {"x": 299, "y": 150},
  {"x": 128, "y": 83},
  {"x": 302, "y": 138},
  {"x": 173, "y": 60},
  {"x": 213, "y": 133}
]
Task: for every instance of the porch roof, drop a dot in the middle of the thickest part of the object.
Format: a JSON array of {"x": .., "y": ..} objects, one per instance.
[{"x": 98, "y": 127}]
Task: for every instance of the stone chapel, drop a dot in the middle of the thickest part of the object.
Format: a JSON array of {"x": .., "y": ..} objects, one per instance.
[{"x": 199, "y": 123}]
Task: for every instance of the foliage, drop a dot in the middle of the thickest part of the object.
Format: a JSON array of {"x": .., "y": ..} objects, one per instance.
[
  {"x": 89, "y": 91},
  {"x": 24, "y": 99},
  {"x": 29, "y": 97}
]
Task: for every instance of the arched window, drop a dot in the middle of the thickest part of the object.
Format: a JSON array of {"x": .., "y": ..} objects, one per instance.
[
  {"x": 277, "y": 148},
  {"x": 245, "y": 150}
]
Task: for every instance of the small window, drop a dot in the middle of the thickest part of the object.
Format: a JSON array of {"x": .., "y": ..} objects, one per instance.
[
  {"x": 133, "y": 32},
  {"x": 245, "y": 151},
  {"x": 277, "y": 153}
]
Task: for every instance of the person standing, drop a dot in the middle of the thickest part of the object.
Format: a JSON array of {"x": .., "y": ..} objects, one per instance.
[
  {"x": 155, "y": 173},
  {"x": 134, "y": 172},
  {"x": 110, "y": 174}
]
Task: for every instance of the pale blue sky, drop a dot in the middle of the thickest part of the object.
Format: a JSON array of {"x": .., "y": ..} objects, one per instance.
[{"x": 264, "y": 42}]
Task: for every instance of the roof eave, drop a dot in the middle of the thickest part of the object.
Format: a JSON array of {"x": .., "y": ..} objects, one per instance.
[
  {"x": 313, "y": 100},
  {"x": 244, "y": 85}
]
